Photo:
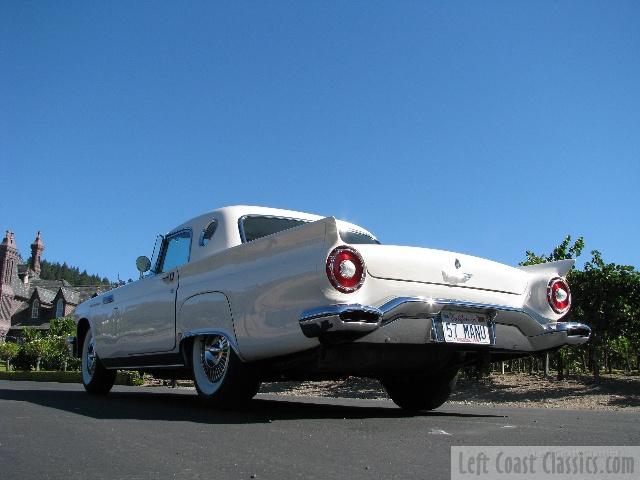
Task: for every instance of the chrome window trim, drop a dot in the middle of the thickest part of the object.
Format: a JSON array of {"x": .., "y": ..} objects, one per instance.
[
  {"x": 243, "y": 237},
  {"x": 165, "y": 242},
  {"x": 154, "y": 264}
]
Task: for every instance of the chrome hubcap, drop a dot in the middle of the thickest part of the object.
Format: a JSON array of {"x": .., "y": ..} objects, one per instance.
[
  {"x": 214, "y": 357},
  {"x": 91, "y": 357}
]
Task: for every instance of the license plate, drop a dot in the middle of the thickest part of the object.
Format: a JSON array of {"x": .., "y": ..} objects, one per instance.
[{"x": 465, "y": 327}]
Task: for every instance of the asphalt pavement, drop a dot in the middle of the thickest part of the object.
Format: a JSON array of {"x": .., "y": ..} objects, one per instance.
[{"x": 57, "y": 431}]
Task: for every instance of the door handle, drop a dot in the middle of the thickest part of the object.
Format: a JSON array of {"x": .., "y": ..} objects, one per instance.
[{"x": 169, "y": 277}]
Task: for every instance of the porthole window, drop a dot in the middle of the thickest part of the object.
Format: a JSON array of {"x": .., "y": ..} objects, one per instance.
[{"x": 207, "y": 232}]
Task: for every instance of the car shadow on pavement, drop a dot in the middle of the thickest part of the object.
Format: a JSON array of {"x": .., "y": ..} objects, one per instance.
[{"x": 185, "y": 406}]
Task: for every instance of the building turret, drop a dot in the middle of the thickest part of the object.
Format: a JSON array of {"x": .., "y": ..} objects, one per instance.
[
  {"x": 37, "y": 247},
  {"x": 8, "y": 258},
  {"x": 8, "y": 271}
]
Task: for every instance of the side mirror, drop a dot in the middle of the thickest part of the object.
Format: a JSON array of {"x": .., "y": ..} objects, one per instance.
[{"x": 143, "y": 264}]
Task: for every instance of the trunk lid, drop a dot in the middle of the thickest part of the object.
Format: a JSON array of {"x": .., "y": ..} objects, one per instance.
[{"x": 440, "y": 267}]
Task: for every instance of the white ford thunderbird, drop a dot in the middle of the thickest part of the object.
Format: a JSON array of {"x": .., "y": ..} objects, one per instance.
[{"x": 245, "y": 294}]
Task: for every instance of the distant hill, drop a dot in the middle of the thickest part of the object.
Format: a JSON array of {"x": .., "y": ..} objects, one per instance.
[{"x": 73, "y": 275}]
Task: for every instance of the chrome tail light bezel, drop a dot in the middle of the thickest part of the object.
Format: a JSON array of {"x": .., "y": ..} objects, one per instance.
[
  {"x": 552, "y": 288},
  {"x": 331, "y": 273}
]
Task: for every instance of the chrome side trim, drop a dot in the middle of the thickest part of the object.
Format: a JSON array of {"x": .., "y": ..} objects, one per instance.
[{"x": 211, "y": 331}]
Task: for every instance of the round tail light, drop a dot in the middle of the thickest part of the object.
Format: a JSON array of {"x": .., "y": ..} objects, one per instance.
[
  {"x": 559, "y": 295},
  {"x": 345, "y": 269}
]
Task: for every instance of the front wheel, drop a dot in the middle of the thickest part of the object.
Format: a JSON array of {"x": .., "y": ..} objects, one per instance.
[
  {"x": 420, "y": 393},
  {"x": 95, "y": 377},
  {"x": 220, "y": 377}
]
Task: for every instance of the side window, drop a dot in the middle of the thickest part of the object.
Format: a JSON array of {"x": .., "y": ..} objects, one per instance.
[
  {"x": 175, "y": 251},
  {"x": 254, "y": 227},
  {"x": 207, "y": 232}
]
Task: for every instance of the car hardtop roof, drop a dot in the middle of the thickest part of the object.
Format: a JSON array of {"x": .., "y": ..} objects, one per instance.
[{"x": 233, "y": 212}]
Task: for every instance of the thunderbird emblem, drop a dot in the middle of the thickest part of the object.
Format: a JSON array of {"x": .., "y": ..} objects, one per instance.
[{"x": 456, "y": 276}]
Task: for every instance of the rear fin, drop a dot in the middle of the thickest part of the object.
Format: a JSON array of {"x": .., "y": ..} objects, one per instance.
[
  {"x": 559, "y": 267},
  {"x": 331, "y": 233}
]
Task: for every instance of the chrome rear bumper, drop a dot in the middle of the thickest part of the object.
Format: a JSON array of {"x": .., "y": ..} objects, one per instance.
[
  {"x": 363, "y": 320},
  {"x": 577, "y": 333}
]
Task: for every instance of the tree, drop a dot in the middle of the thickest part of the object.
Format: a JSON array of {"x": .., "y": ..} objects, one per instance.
[
  {"x": 8, "y": 351},
  {"x": 36, "y": 348},
  {"x": 57, "y": 271},
  {"x": 564, "y": 251},
  {"x": 606, "y": 297}
]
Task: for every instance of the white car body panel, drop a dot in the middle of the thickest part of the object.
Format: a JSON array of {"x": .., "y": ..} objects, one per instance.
[
  {"x": 437, "y": 267},
  {"x": 257, "y": 293}
]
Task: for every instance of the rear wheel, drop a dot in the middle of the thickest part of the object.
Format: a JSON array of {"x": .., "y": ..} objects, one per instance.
[
  {"x": 420, "y": 393},
  {"x": 220, "y": 377},
  {"x": 95, "y": 377}
]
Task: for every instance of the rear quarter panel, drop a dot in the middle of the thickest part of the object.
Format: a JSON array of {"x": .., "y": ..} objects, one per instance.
[{"x": 268, "y": 283}]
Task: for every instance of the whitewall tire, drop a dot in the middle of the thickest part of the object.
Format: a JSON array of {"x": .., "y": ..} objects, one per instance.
[
  {"x": 220, "y": 377},
  {"x": 95, "y": 377}
]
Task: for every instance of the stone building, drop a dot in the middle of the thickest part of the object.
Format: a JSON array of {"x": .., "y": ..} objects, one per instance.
[{"x": 26, "y": 299}]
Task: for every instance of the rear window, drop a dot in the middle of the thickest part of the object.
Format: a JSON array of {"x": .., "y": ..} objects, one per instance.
[
  {"x": 252, "y": 228},
  {"x": 357, "y": 238}
]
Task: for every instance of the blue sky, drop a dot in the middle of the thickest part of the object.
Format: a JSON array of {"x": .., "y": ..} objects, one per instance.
[{"x": 486, "y": 127}]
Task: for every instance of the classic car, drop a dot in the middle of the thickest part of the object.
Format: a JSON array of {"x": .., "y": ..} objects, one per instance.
[{"x": 246, "y": 294}]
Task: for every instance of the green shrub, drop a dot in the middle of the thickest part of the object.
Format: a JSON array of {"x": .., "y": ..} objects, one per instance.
[
  {"x": 62, "y": 327},
  {"x": 129, "y": 378},
  {"x": 48, "y": 352},
  {"x": 8, "y": 352}
]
